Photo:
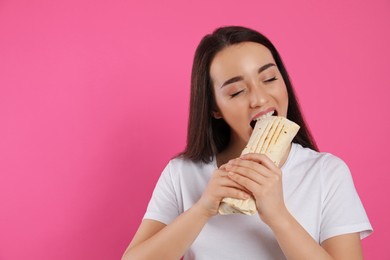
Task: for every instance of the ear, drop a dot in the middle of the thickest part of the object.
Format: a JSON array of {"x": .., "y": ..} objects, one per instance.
[{"x": 217, "y": 115}]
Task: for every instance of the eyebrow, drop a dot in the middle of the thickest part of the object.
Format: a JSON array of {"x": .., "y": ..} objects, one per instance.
[{"x": 238, "y": 78}]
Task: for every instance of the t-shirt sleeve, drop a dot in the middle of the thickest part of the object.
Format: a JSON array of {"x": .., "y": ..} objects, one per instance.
[
  {"x": 163, "y": 205},
  {"x": 342, "y": 211}
]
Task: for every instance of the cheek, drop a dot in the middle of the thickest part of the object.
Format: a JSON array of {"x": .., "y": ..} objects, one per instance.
[
  {"x": 230, "y": 111},
  {"x": 284, "y": 101},
  {"x": 282, "y": 98},
  {"x": 285, "y": 97},
  {"x": 219, "y": 103},
  {"x": 224, "y": 109}
]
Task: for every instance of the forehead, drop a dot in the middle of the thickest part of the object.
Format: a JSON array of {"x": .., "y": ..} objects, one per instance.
[{"x": 238, "y": 59}]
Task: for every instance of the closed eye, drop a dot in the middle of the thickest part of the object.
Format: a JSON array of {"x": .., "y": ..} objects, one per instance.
[
  {"x": 271, "y": 79},
  {"x": 236, "y": 93}
]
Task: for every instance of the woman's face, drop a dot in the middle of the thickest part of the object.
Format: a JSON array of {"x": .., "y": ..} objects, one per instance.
[{"x": 247, "y": 84}]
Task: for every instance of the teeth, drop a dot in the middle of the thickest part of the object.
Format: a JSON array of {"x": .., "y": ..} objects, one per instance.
[{"x": 265, "y": 116}]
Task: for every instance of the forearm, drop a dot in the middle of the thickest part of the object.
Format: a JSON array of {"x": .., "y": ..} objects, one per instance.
[
  {"x": 295, "y": 242},
  {"x": 173, "y": 240}
]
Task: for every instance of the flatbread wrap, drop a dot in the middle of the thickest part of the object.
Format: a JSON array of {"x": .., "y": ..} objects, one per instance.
[{"x": 271, "y": 136}]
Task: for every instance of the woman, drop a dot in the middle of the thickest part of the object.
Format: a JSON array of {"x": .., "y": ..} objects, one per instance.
[{"x": 307, "y": 209}]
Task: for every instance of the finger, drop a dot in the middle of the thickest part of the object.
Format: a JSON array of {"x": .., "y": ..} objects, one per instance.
[
  {"x": 256, "y": 176},
  {"x": 228, "y": 182},
  {"x": 228, "y": 192},
  {"x": 222, "y": 173},
  {"x": 244, "y": 181},
  {"x": 248, "y": 164},
  {"x": 262, "y": 159},
  {"x": 222, "y": 167}
]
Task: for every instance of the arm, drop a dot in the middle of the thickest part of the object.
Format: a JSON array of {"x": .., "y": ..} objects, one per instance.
[
  {"x": 346, "y": 246},
  {"x": 296, "y": 243},
  {"x": 155, "y": 240},
  {"x": 263, "y": 178}
]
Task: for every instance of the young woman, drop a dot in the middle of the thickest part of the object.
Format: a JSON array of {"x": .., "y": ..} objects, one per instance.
[{"x": 307, "y": 209}]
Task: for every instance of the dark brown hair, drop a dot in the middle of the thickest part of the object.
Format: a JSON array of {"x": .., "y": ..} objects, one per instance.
[{"x": 208, "y": 136}]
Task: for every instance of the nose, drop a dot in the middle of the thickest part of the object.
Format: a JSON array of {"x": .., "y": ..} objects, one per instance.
[{"x": 258, "y": 96}]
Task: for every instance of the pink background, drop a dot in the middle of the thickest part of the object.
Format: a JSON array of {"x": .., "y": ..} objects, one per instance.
[{"x": 94, "y": 100}]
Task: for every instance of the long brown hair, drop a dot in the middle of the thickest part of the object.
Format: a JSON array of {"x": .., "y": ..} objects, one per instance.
[{"x": 208, "y": 136}]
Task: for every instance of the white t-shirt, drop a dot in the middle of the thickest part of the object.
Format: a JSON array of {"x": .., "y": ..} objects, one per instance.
[{"x": 318, "y": 191}]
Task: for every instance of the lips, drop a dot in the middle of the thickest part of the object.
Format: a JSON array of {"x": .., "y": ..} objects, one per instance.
[{"x": 264, "y": 114}]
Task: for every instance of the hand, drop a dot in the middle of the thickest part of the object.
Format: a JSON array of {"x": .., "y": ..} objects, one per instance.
[
  {"x": 219, "y": 187},
  {"x": 258, "y": 174}
]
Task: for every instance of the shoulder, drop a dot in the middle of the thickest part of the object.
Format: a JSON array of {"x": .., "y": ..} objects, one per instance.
[
  {"x": 324, "y": 159},
  {"x": 180, "y": 167},
  {"x": 180, "y": 163},
  {"x": 326, "y": 164}
]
